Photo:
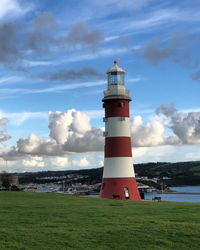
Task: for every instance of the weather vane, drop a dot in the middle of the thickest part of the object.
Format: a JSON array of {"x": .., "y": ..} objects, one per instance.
[{"x": 116, "y": 60}]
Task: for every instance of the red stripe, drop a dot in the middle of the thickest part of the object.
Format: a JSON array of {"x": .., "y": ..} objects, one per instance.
[
  {"x": 113, "y": 188},
  {"x": 118, "y": 147},
  {"x": 116, "y": 108}
]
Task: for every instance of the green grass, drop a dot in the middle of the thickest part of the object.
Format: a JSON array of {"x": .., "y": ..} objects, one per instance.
[{"x": 57, "y": 221}]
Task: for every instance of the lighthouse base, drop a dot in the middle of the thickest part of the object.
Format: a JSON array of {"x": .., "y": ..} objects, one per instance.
[{"x": 120, "y": 188}]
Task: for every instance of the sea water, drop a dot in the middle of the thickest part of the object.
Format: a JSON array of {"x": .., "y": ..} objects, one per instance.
[{"x": 179, "y": 197}]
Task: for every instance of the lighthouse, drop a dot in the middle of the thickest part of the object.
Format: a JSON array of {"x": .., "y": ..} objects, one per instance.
[{"x": 118, "y": 180}]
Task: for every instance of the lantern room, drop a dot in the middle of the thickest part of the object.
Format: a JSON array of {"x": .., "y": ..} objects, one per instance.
[{"x": 115, "y": 75}]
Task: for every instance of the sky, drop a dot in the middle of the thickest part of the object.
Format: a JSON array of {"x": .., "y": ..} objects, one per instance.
[{"x": 53, "y": 61}]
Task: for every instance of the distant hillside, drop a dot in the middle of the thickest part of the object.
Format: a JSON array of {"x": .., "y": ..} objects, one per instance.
[{"x": 180, "y": 173}]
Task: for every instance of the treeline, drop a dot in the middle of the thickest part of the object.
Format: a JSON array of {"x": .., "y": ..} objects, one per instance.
[{"x": 180, "y": 173}]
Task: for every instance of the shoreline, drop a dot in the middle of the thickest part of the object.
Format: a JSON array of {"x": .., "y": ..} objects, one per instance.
[{"x": 174, "y": 192}]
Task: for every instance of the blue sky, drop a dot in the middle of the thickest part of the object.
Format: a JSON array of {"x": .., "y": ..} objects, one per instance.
[{"x": 53, "y": 61}]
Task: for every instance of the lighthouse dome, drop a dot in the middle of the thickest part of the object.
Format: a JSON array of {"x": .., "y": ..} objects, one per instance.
[
  {"x": 115, "y": 68},
  {"x": 115, "y": 75}
]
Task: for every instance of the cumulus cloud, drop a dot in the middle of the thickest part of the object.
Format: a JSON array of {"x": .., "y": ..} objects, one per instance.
[
  {"x": 71, "y": 132},
  {"x": 59, "y": 123},
  {"x": 91, "y": 141},
  {"x": 71, "y": 74},
  {"x": 33, "y": 145},
  {"x": 62, "y": 125},
  {"x": 186, "y": 126},
  {"x": 151, "y": 134}
]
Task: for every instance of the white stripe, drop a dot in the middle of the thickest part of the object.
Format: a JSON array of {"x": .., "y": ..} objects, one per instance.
[
  {"x": 116, "y": 167},
  {"x": 117, "y": 127}
]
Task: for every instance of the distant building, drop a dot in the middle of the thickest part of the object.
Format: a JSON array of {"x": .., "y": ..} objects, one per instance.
[
  {"x": 145, "y": 188},
  {"x": 8, "y": 180}
]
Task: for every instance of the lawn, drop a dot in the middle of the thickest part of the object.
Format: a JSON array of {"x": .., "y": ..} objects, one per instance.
[{"x": 57, "y": 221}]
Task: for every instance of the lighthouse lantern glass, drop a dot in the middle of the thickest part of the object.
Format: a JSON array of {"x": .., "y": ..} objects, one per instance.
[{"x": 116, "y": 78}]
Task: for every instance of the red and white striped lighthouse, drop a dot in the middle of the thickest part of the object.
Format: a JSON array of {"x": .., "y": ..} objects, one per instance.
[{"x": 119, "y": 180}]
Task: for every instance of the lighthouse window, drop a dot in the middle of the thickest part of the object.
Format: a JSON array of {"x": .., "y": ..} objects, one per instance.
[
  {"x": 116, "y": 78},
  {"x": 121, "y": 104}
]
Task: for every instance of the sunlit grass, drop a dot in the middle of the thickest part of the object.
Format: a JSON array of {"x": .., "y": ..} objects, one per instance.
[{"x": 57, "y": 221}]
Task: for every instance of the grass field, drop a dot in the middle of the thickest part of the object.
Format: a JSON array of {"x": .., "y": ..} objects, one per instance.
[{"x": 58, "y": 221}]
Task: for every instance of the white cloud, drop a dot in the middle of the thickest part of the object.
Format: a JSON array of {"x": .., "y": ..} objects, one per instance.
[
  {"x": 126, "y": 4},
  {"x": 186, "y": 126},
  {"x": 83, "y": 162},
  {"x": 3, "y": 129},
  {"x": 62, "y": 125},
  {"x": 150, "y": 134},
  {"x": 153, "y": 20},
  {"x": 33, "y": 145},
  {"x": 81, "y": 56},
  {"x": 91, "y": 141},
  {"x": 18, "y": 118},
  {"x": 167, "y": 153},
  {"x": 71, "y": 132},
  {"x": 60, "y": 161},
  {"x": 57, "y": 88},
  {"x": 10, "y": 79},
  {"x": 30, "y": 144},
  {"x": 138, "y": 152},
  {"x": 13, "y": 8},
  {"x": 33, "y": 162}
]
